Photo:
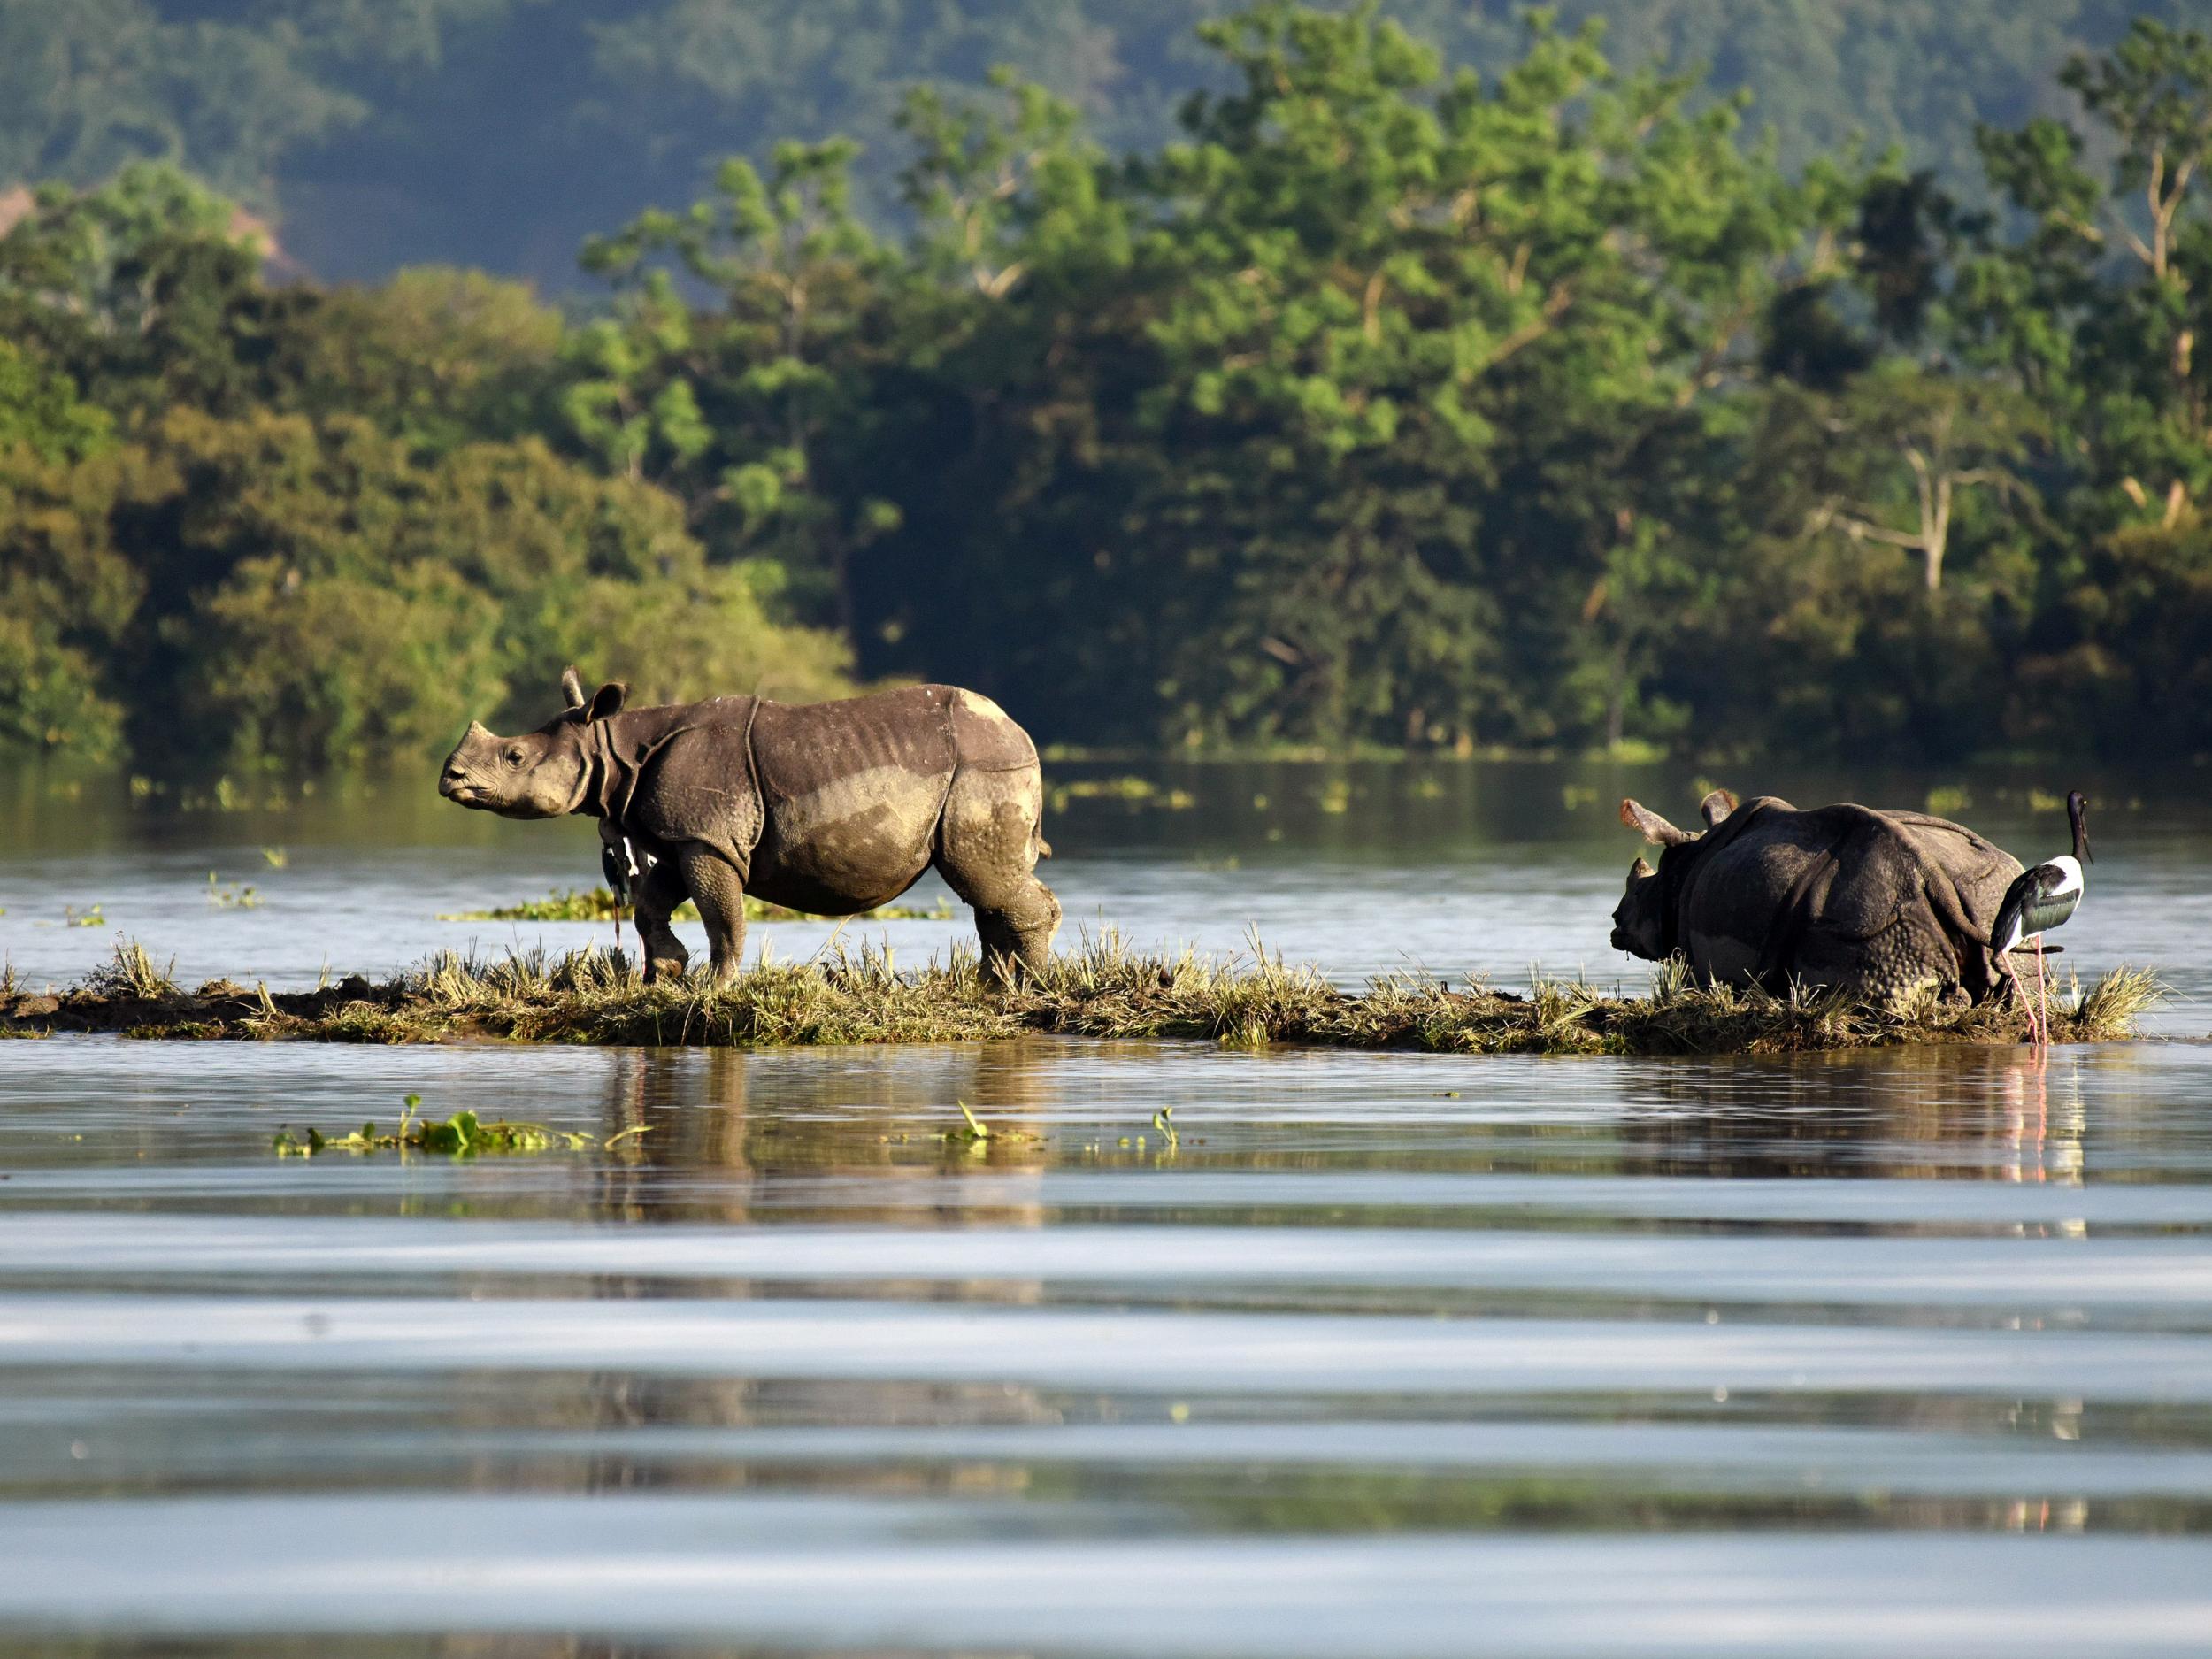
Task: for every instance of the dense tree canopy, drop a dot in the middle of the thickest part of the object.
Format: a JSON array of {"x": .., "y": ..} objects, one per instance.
[
  {"x": 1386, "y": 402},
  {"x": 500, "y": 132}
]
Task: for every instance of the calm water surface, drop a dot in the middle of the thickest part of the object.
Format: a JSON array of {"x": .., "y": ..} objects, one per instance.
[{"x": 1385, "y": 1355}]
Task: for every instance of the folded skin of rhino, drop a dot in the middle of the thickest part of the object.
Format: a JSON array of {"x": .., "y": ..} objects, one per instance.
[
  {"x": 829, "y": 808},
  {"x": 1879, "y": 904}
]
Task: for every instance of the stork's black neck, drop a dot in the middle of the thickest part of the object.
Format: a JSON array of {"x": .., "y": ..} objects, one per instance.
[{"x": 2076, "y": 814}]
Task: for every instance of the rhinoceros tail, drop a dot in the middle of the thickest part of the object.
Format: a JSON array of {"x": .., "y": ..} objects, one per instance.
[{"x": 1044, "y": 847}]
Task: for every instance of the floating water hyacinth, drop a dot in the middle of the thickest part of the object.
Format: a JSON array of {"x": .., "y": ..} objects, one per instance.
[{"x": 464, "y": 1134}]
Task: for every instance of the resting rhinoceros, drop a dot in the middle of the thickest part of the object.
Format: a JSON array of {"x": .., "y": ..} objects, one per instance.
[
  {"x": 831, "y": 807},
  {"x": 1879, "y": 904}
]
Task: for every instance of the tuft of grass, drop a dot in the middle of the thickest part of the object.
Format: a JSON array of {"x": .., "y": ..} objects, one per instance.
[
  {"x": 130, "y": 975},
  {"x": 1102, "y": 988},
  {"x": 2117, "y": 1002},
  {"x": 598, "y": 904}
]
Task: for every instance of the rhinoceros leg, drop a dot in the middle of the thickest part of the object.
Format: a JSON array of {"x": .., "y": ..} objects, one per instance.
[
  {"x": 660, "y": 892},
  {"x": 986, "y": 851},
  {"x": 719, "y": 890}
]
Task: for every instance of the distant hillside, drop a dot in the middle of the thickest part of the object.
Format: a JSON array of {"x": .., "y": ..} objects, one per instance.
[{"x": 499, "y": 132}]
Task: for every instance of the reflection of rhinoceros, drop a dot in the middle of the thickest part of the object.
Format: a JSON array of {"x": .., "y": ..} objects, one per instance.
[{"x": 1879, "y": 904}]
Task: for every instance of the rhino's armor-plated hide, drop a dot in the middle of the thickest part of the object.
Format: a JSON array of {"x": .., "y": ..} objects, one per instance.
[
  {"x": 830, "y": 808},
  {"x": 1882, "y": 903}
]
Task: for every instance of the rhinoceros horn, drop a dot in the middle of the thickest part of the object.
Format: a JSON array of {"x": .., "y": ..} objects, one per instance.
[
  {"x": 1651, "y": 827},
  {"x": 1716, "y": 807}
]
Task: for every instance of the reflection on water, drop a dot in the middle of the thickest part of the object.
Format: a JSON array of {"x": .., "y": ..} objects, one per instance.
[{"x": 1396, "y": 1354}]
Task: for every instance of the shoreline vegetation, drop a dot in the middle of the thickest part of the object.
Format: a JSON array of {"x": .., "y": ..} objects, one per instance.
[{"x": 1101, "y": 989}]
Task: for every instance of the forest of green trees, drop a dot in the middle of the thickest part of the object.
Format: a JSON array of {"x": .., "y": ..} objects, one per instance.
[
  {"x": 500, "y": 133},
  {"x": 1382, "y": 400}
]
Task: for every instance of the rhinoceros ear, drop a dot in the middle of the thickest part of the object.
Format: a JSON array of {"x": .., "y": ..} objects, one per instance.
[
  {"x": 1651, "y": 827},
  {"x": 1640, "y": 871},
  {"x": 608, "y": 700},
  {"x": 1716, "y": 807},
  {"x": 572, "y": 687}
]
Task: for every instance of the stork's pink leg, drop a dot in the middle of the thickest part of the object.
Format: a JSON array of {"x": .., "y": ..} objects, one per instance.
[
  {"x": 2043, "y": 993},
  {"x": 2020, "y": 994}
]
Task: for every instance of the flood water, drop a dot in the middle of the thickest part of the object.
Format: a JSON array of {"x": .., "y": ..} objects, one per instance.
[{"x": 1396, "y": 1354}]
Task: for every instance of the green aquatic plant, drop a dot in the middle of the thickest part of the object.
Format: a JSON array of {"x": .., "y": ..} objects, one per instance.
[
  {"x": 591, "y": 904},
  {"x": 1129, "y": 791},
  {"x": 976, "y": 1136},
  {"x": 464, "y": 1134},
  {"x": 230, "y": 896},
  {"x": 598, "y": 904},
  {"x": 972, "y": 1129}
]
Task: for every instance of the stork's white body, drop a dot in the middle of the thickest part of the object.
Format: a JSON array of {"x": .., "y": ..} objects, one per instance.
[{"x": 2043, "y": 898}]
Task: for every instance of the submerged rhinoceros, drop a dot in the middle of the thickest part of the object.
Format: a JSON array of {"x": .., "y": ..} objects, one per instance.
[
  {"x": 831, "y": 807},
  {"x": 1878, "y": 903}
]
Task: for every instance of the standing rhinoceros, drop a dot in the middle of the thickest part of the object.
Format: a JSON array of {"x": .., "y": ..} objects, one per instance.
[
  {"x": 831, "y": 807},
  {"x": 1880, "y": 903}
]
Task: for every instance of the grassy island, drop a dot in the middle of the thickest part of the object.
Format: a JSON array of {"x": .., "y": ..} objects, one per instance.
[{"x": 1104, "y": 989}]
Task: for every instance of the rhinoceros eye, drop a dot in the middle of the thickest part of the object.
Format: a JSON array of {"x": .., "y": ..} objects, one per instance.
[{"x": 514, "y": 757}]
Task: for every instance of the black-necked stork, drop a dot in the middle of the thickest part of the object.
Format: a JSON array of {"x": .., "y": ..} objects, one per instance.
[
  {"x": 2043, "y": 898},
  {"x": 618, "y": 862}
]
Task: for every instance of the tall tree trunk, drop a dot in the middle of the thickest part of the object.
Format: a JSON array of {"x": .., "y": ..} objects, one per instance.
[{"x": 1937, "y": 538}]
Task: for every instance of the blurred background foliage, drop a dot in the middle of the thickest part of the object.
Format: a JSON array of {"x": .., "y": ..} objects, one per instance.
[
  {"x": 500, "y": 133},
  {"x": 1408, "y": 376}
]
